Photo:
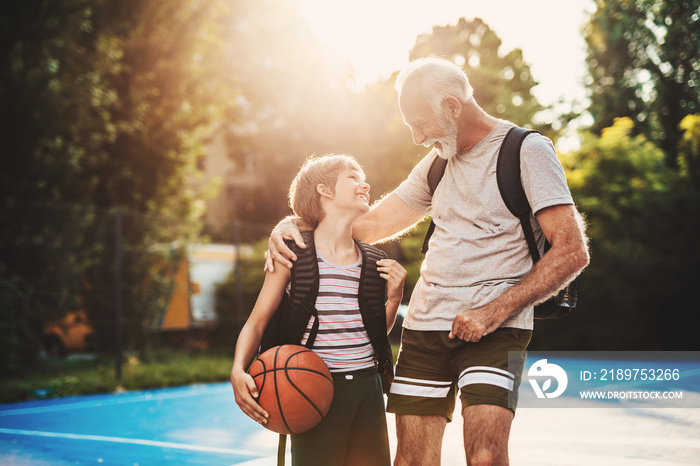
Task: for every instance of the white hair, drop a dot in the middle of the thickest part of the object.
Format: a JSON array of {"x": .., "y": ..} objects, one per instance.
[{"x": 437, "y": 78}]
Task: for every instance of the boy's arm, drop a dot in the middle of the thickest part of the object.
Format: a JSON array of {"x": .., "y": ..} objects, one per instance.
[
  {"x": 244, "y": 388},
  {"x": 395, "y": 276}
]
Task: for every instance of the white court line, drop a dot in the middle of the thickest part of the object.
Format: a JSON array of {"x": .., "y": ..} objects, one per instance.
[
  {"x": 129, "y": 397},
  {"x": 132, "y": 441}
]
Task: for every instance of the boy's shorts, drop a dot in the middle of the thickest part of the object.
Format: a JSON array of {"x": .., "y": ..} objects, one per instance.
[
  {"x": 431, "y": 366},
  {"x": 354, "y": 430}
]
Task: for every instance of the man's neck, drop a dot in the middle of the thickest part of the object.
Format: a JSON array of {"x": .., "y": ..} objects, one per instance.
[{"x": 474, "y": 125}]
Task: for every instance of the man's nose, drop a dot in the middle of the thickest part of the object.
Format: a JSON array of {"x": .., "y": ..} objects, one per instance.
[{"x": 418, "y": 136}]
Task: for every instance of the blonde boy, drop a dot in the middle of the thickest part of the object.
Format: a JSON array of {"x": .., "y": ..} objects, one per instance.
[{"x": 329, "y": 193}]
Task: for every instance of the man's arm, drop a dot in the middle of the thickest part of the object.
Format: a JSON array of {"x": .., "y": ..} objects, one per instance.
[
  {"x": 563, "y": 227},
  {"x": 277, "y": 251},
  {"x": 386, "y": 219}
]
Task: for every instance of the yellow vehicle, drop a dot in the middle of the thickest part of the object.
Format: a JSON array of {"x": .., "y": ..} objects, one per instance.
[
  {"x": 184, "y": 314},
  {"x": 69, "y": 334}
]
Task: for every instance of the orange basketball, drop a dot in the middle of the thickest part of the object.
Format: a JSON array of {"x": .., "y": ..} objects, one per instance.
[{"x": 295, "y": 388}]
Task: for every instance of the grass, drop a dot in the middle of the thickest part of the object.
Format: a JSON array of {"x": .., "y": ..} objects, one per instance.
[{"x": 80, "y": 376}]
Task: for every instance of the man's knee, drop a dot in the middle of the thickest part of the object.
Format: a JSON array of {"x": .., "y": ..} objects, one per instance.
[
  {"x": 486, "y": 433},
  {"x": 487, "y": 457},
  {"x": 419, "y": 439}
]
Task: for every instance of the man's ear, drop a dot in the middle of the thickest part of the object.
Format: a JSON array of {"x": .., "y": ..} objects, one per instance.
[
  {"x": 453, "y": 106},
  {"x": 324, "y": 191}
]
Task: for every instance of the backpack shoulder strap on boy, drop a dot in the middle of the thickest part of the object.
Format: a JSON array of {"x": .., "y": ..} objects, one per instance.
[
  {"x": 372, "y": 301},
  {"x": 289, "y": 321}
]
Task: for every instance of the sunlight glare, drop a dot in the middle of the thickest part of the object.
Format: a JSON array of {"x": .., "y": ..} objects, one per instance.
[
  {"x": 377, "y": 36},
  {"x": 373, "y": 35}
]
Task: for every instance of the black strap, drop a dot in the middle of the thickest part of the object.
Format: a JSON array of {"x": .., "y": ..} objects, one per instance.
[
  {"x": 313, "y": 332},
  {"x": 511, "y": 187},
  {"x": 437, "y": 169},
  {"x": 304, "y": 287},
  {"x": 435, "y": 173}
]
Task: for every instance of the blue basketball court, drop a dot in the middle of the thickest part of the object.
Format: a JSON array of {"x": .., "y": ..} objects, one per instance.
[
  {"x": 194, "y": 425},
  {"x": 202, "y": 425}
]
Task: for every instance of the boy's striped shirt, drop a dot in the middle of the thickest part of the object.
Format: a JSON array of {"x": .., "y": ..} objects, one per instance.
[{"x": 342, "y": 341}]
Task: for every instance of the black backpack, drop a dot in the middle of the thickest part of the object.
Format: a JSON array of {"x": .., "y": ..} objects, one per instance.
[
  {"x": 513, "y": 194},
  {"x": 288, "y": 323}
]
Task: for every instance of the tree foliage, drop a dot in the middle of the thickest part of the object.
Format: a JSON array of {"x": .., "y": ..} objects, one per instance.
[
  {"x": 290, "y": 116},
  {"x": 294, "y": 101},
  {"x": 642, "y": 220},
  {"x": 644, "y": 63},
  {"x": 101, "y": 105},
  {"x": 502, "y": 82},
  {"x": 636, "y": 179}
]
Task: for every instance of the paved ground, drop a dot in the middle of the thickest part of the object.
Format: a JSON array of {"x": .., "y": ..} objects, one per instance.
[{"x": 200, "y": 425}]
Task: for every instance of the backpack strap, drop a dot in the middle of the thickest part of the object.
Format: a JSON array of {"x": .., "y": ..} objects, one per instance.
[
  {"x": 511, "y": 187},
  {"x": 304, "y": 285},
  {"x": 281, "y": 449},
  {"x": 289, "y": 322},
  {"x": 372, "y": 285},
  {"x": 372, "y": 300},
  {"x": 435, "y": 173}
]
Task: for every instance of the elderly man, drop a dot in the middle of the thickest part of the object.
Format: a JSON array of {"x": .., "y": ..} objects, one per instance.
[{"x": 473, "y": 303}]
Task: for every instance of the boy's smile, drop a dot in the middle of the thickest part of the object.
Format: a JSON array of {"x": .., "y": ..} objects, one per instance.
[{"x": 351, "y": 185}]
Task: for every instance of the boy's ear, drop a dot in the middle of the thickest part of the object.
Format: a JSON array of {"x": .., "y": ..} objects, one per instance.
[{"x": 324, "y": 191}]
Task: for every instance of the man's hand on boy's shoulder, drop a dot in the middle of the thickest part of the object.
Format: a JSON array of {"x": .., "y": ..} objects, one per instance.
[{"x": 277, "y": 250}]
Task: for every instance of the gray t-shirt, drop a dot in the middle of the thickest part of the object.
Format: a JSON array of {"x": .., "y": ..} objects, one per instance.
[{"x": 478, "y": 249}]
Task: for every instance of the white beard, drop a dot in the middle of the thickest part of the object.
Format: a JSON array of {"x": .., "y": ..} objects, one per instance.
[{"x": 448, "y": 141}]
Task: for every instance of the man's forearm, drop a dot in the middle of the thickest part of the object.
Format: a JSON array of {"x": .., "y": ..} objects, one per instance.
[
  {"x": 565, "y": 229},
  {"x": 297, "y": 222},
  {"x": 554, "y": 271},
  {"x": 387, "y": 219}
]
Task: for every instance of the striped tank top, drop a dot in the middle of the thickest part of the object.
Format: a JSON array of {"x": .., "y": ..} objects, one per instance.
[{"x": 342, "y": 341}]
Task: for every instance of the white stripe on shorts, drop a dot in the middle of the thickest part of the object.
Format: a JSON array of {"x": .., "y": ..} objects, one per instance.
[
  {"x": 427, "y": 388},
  {"x": 487, "y": 375}
]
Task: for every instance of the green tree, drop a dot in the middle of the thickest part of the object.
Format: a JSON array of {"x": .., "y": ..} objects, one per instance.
[
  {"x": 689, "y": 157},
  {"x": 47, "y": 133},
  {"x": 299, "y": 102},
  {"x": 642, "y": 220},
  {"x": 102, "y": 104},
  {"x": 294, "y": 101},
  {"x": 168, "y": 78},
  {"x": 502, "y": 82},
  {"x": 644, "y": 63}
]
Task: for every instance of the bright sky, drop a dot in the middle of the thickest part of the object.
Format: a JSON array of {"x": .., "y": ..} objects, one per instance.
[{"x": 378, "y": 34}]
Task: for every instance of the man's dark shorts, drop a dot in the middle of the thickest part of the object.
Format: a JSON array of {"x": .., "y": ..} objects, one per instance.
[{"x": 431, "y": 367}]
